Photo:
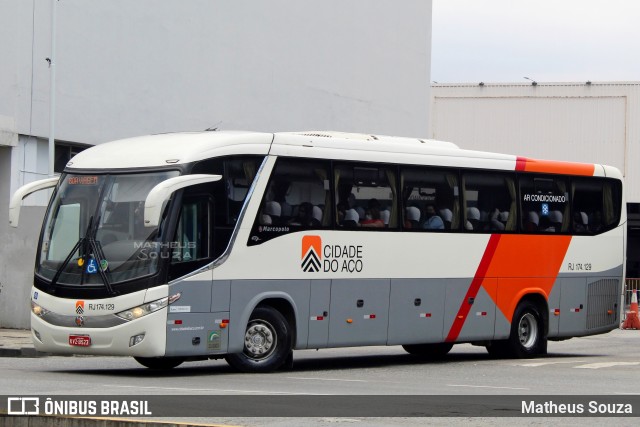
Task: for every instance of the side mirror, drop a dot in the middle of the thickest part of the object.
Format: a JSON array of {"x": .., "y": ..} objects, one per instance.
[
  {"x": 161, "y": 193},
  {"x": 24, "y": 191}
]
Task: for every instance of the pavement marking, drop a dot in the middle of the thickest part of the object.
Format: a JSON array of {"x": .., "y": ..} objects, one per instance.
[
  {"x": 487, "y": 386},
  {"x": 327, "y": 379},
  {"x": 215, "y": 389},
  {"x": 606, "y": 365},
  {"x": 536, "y": 364}
]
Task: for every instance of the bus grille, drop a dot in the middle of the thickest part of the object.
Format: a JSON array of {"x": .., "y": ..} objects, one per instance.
[{"x": 602, "y": 296}]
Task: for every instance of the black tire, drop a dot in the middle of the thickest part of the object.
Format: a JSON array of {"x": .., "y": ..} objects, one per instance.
[
  {"x": 429, "y": 351},
  {"x": 159, "y": 363},
  {"x": 267, "y": 343},
  {"x": 527, "y": 337}
]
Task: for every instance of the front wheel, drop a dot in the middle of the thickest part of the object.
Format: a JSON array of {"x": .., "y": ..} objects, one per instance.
[
  {"x": 159, "y": 363},
  {"x": 267, "y": 342},
  {"x": 429, "y": 351}
]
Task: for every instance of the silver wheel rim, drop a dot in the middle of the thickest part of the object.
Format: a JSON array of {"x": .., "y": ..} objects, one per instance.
[
  {"x": 260, "y": 340},
  {"x": 528, "y": 330}
]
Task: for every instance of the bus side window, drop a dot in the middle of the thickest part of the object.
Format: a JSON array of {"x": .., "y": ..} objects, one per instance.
[
  {"x": 596, "y": 205},
  {"x": 490, "y": 202},
  {"x": 366, "y": 196},
  {"x": 298, "y": 197},
  {"x": 430, "y": 199},
  {"x": 544, "y": 203}
]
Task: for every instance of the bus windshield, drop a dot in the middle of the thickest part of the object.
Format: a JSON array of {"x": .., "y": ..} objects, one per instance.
[{"x": 94, "y": 230}]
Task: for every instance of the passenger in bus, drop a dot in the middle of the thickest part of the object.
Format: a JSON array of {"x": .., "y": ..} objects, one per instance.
[
  {"x": 532, "y": 222},
  {"x": 272, "y": 210},
  {"x": 412, "y": 217},
  {"x": 545, "y": 224},
  {"x": 385, "y": 215},
  {"x": 303, "y": 217},
  {"x": 372, "y": 215},
  {"x": 316, "y": 217},
  {"x": 504, "y": 218},
  {"x": 447, "y": 217},
  {"x": 494, "y": 222},
  {"x": 555, "y": 219},
  {"x": 432, "y": 221},
  {"x": 341, "y": 209},
  {"x": 351, "y": 219},
  {"x": 595, "y": 222},
  {"x": 265, "y": 219},
  {"x": 580, "y": 222},
  {"x": 473, "y": 219}
]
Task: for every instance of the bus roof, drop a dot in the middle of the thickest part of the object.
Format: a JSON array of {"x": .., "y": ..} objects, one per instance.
[{"x": 182, "y": 148}]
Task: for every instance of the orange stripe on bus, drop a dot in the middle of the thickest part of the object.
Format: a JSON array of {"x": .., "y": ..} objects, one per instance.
[
  {"x": 536, "y": 258},
  {"x": 472, "y": 292},
  {"x": 549, "y": 166},
  {"x": 523, "y": 265}
]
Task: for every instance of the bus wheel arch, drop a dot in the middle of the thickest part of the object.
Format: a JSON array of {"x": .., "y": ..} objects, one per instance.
[
  {"x": 528, "y": 332},
  {"x": 268, "y": 338}
]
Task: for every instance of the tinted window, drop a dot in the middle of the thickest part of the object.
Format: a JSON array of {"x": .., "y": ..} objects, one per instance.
[
  {"x": 366, "y": 196},
  {"x": 596, "y": 205},
  {"x": 298, "y": 197},
  {"x": 489, "y": 202},
  {"x": 430, "y": 199},
  {"x": 545, "y": 204}
]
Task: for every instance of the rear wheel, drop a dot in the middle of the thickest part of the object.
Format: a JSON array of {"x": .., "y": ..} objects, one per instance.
[
  {"x": 267, "y": 343},
  {"x": 527, "y": 337},
  {"x": 159, "y": 363},
  {"x": 429, "y": 351}
]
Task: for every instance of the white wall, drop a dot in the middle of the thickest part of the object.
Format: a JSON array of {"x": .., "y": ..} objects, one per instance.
[
  {"x": 596, "y": 123},
  {"x": 127, "y": 68}
]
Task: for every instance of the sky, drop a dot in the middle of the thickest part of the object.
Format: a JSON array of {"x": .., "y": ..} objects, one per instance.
[{"x": 546, "y": 40}]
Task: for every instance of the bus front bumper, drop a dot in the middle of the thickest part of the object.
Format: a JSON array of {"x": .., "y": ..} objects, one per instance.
[{"x": 111, "y": 341}]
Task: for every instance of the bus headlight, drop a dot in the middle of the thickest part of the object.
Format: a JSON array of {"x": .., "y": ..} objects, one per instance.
[
  {"x": 147, "y": 308},
  {"x": 38, "y": 310},
  {"x": 144, "y": 309}
]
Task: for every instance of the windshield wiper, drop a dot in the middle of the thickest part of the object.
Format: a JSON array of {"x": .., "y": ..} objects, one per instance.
[{"x": 89, "y": 248}]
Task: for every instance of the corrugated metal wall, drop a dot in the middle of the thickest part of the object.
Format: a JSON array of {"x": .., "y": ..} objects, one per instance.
[{"x": 596, "y": 123}]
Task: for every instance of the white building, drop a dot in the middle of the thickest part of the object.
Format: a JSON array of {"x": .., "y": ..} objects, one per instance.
[
  {"x": 129, "y": 68},
  {"x": 593, "y": 122}
]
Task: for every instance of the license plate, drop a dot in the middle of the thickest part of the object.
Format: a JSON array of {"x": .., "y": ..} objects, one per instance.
[{"x": 80, "y": 340}]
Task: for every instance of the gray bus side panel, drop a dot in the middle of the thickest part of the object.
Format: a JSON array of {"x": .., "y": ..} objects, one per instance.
[
  {"x": 192, "y": 329},
  {"x": 416, "y": 311},
  {"x": 359, "y": 312},
  {"x": 319, "y": 305}
]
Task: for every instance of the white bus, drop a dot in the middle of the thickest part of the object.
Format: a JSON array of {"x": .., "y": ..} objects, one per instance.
[{"x": 247, "y": 246}]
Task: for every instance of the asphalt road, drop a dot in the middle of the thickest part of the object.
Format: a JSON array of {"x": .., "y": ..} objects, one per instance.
[{"x": 604, "y": 365}]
